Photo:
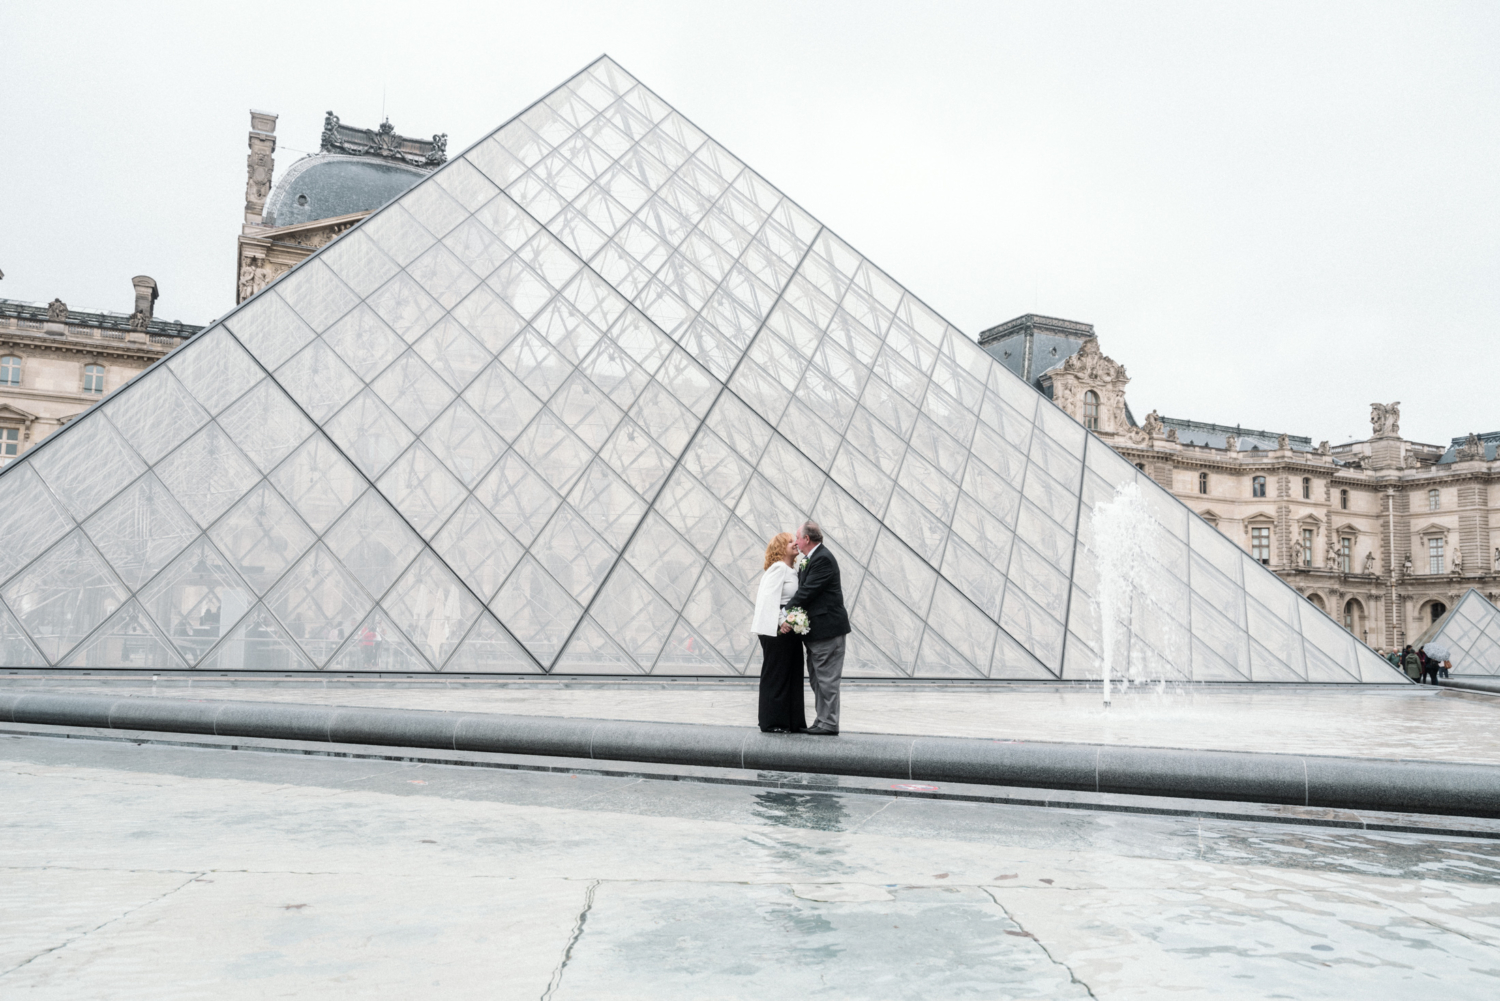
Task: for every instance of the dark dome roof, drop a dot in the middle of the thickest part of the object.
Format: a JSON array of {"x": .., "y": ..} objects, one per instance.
[{"x": 326, "y": 185}]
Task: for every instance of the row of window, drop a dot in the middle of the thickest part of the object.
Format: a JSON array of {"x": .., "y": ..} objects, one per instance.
[
  {"x": 1260, "y": 550},
  {"x": 10, "y": 375},
  {"x": 1258, "y": 489}
]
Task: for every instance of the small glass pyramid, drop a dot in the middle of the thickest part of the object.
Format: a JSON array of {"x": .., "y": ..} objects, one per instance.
[
  {"x": 543, "y": 411},
  {"x": 1470, "y": 633}
]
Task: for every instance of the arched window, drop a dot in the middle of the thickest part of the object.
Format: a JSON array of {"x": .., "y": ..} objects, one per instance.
[
  {"x": 1258, "y": 487},
  {"x": 1432, "y": 499},
  {"x": 1091, "y": 410},
  {"x": 1141, "y": 466},
  {"x": 1307, "y": 488},
  {"x": 1438, "y": 608},
  {"x": 10, "y": 371},
  {"x": 1344, "y": 499},
  {"x": 1203, "y": 483},
  {"x": 93, "y": 378}
]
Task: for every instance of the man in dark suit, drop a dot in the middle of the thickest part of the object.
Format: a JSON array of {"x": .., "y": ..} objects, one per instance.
[{"x": 821, "y": 595}]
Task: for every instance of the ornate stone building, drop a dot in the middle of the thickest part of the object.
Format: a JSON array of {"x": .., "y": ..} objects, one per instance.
[
  {"x": 1383, "y": 534},
  {"x": 55, "y": 362},
  {"x": 355, "y": 172}
]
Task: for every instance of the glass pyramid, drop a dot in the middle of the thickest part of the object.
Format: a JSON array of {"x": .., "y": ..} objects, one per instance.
[
  {"x": 1471, "y": 632},
  {"x": 543, "y": 411}
]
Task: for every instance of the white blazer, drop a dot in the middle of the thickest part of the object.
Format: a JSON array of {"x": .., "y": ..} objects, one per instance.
[{"x": 777, "y": 585}]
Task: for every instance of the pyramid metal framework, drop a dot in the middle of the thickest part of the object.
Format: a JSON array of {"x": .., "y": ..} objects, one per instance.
[
  {"x": 1471, "y": 632},
  {"x": 543, "y": 411}
]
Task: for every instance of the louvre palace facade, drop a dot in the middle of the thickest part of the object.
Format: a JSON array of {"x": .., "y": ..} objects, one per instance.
[
  {"x": 1385, "y": 534},
  {"x": 542, "y": 411}
]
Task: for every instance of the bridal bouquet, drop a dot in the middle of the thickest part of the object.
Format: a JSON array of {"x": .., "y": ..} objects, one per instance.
[{"x": 797, "y": 619}]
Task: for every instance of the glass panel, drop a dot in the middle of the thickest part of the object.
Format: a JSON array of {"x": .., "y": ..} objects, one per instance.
[
  {"x": 261, "y": 536},
  {"x": 15, "y": 649},
  {"x": 398, "y": 234},
  {"x": 269, "y": 328},
  {"x": 373, "y": 543},
  {"x": 411, "y": 389},
  {"x": 478, "y": 549},
  {"x": 740, "y": 554},
  {"x": 575, "y": 556},
  {"x": 1038, "y": 632},
  {"x": 214, "y": 368},
  {"x": 207, "y": 474},
  {"x": 587, "y": 410},
  {"x": 806, "y": 431},
  {"x": 927, "y": 484},
  {"x": 903, "y": 572},
  {"x": 359, "y": 262},
  {"x": 266, "y": 425},
  {"x": 318, "y": 380},
  {"x": 607, "y": 504},
  {"x": 687, "y": 653},
  {"x": 520, "y": 288},
  {"x": 916, "y": 526},
  {"x": 377, "y": 645},
  {"x": 64, "y": 595},
  {"x": 717, "y": 466},
  {"x": 127, "y": 640},
  {"x": 505, "y": 404},
  {"x": 976, "y": 577},
  {"x": 767, "y": 512},
  {"x": 319, "y": 482},
  {"x": 667, "y": 562},
  {"x": 632, "y": 454},
  {"x": 432, "y": 607},
  {"x": 721, "y": 613},
  {"x": 518, "y": 497},
  {"x": 634, "y": 615},
  {"x": 319, "y": 603},
  {"x": 196, "y": 600},
  {"x": 317, "y": 294},
  {"x": 156, "y": 414},
  {"x": 537, "y": 363},
  {"x": 894, "y": 628},
  {"x": 554, "y": 451},
  {"x": 692, "y": 511},
  {"x": 33, "y": 518},
  {"x": 843, "y": 519},
  {"x": 489, "y": 319},
  {"x": 463, "y": 442},
  {"x": 453, "y": 353},
  {"x": 1013, "y": 662},
  {"x": 536, "y": 610},
  {"x": 489, "y": 648},
  {"x": 85, "y": 463},
  {"x": 591, "y": 651},
  {"x": 1042, "y": 581},
  {"x": 863, "y": 479},
  {"x": 405, "y": 306},
  {"x": 369, "y": 433},
  {"x": 565, "y": 327},
  {"x": 421, "y": 489},
  {"x": 442, "y": 274},
  {"x": 938, "y": 659}
]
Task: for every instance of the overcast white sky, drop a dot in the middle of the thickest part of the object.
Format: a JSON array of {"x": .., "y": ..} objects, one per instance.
[{"x": 1273, "y": 214}]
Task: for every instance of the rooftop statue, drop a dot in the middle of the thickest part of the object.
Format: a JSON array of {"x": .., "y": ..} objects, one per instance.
[{"x": 1385, "y": 419}]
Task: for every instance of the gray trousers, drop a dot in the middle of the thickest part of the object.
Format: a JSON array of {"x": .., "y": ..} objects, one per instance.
[{"x": 825, "y": 669}]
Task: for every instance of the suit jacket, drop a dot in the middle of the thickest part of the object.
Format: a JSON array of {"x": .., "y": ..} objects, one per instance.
[{"x": 820, "y": 593}]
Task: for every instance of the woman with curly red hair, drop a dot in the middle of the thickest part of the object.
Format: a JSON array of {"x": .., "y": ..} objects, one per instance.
[{"x": 781, "y": 705}]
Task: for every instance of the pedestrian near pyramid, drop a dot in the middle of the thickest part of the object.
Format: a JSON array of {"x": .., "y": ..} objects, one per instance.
[{"x": 820, "y": 593}]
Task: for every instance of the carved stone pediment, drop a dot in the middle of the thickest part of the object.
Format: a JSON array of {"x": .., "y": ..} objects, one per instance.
[
  {"x": 1472, "y": 448},
  {"x": 1093, "y": 365}
]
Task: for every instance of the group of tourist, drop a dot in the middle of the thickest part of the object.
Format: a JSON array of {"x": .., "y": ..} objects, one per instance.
[{"x": 1417, "y": 665}]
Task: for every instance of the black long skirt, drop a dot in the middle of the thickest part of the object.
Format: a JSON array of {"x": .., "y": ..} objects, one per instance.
[{"x": 781, "y": 683}]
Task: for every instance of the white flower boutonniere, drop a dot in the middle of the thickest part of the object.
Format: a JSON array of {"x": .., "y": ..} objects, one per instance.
[{"x": 801, "y": 563}]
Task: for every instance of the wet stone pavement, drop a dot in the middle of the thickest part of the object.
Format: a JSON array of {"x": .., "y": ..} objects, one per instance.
[{"x": 140, "y": 871}]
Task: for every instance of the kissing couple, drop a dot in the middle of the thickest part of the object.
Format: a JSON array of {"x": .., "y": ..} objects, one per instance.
[{"x": 799, "y": 607}]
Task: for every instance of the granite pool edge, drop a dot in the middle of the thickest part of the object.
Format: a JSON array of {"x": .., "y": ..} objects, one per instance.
[{"x": 1396, "y": 785}]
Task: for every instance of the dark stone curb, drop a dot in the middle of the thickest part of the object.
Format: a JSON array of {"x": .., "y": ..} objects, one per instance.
[
  {"x": 1402, "y": 786},
  {"x": 1471, "y": 683}
]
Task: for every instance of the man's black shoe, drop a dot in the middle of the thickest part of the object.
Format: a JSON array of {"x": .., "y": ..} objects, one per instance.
[{"x": 820, "y": 731}]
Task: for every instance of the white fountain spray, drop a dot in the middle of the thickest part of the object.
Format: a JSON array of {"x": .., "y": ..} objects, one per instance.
[{"x": 1121, "y": 530}]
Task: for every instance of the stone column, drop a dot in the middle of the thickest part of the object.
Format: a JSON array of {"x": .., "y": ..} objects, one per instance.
[{"x": 259, "y": 165}]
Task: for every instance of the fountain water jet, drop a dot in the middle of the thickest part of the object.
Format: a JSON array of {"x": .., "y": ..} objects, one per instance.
[{"x": 1121, "y": 530}]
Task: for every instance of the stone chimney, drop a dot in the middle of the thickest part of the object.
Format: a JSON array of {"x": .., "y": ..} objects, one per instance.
[
  {"x": 145, "y": 295},
  {"x": 259, "y": 164}
]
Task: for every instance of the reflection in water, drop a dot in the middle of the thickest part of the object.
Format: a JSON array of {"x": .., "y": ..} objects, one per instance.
[{"x": 816, "y": 811}]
